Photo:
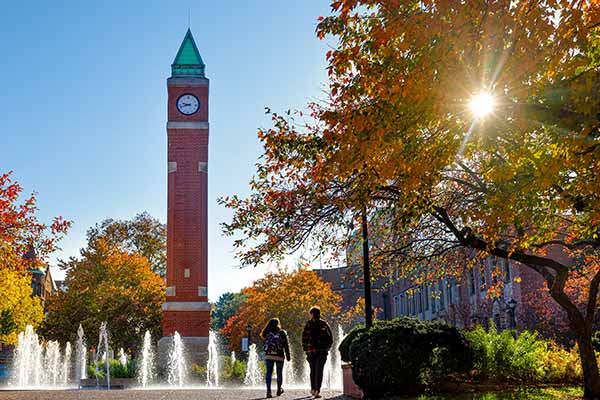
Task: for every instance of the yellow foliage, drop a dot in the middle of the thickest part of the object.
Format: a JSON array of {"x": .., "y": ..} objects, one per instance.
[{"x": 15, "y": 298}]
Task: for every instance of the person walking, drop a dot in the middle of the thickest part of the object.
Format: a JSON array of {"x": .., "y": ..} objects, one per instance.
[
  {"x": 317, "y": 339},
  {"x": 277, "y": 349}
]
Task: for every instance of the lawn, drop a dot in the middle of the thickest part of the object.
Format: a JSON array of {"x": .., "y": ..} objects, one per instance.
[{"x": 568, "y": 393}]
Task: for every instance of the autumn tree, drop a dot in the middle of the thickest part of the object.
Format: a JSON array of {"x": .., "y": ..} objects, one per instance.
[
  {"x": 287, "y": 296},
  {"x": 143, "y": 234},
  {"x": 107, "y": 284},
  {"x": 406, "y": 80},
  {"x": 20, "y": 233}
]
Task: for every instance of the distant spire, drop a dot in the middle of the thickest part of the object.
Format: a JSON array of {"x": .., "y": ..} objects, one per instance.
[{"x": 188, "y": 61}]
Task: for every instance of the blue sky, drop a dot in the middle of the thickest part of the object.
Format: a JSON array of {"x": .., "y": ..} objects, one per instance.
[{"x": 83, "y": 103}]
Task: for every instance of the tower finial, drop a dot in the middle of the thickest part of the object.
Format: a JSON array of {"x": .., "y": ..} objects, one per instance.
[{"x": 189, "y": 13}]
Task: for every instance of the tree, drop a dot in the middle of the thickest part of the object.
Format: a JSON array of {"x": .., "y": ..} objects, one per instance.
[
  {"x": 18, "y": 308},
  {"x": 20, "y": 233},
  {"x": 107, "y": 284},
  {"x": 521, "y": 183},
  {"x": 226, "y": 307},
  {"x": 284, "y": 295},
  {"x": 143, "y": 234}
]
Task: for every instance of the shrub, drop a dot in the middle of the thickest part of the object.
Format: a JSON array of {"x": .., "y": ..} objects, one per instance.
[
  {"x": 398, "y": 356},
  {"x": 233, "y": 373},
  {"x": 344, "y": 346},
  {"x": 117, "y": 370},
  {"x": 504, "y": 356}
]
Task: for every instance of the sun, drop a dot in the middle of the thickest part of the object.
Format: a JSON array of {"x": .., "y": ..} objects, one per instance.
[{"x": 482, "y": 104}]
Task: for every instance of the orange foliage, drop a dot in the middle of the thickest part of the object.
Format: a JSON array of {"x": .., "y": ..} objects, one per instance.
[{"x": 284, "y": 295}]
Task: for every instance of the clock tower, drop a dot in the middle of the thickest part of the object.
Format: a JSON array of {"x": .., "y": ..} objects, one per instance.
[{"x": 186, "y": 309}]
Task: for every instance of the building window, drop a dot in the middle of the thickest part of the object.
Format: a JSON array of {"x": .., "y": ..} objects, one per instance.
[
  {"x": 471, "y": 282},
  {"x": 420, "y": 300},
  {"x": 483, "y": 277},
  {"x": 442, "y": 294},
  {"x": 414, "y": 298},
  {"x": 402, "y": 305},
  {"x": 426, "y": 299}
]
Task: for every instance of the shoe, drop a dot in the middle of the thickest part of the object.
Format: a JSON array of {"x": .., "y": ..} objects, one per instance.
[
  {"x": 317, "y": 394},
  {"x": 269, "y": 395},
  {"x": 313, "y": 392},
  {"x": 280, "y": 391}
]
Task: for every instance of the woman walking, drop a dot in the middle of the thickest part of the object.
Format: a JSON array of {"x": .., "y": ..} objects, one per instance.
[{"x": 277, "y": 350}]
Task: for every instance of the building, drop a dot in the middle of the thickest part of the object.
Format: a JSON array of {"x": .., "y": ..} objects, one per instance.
[
  {"x": 186, "y": 309},
  {"x": 462, "y": 302},
  {"x": 344, "y": 283},
  {"x": 42, "y": 284}
]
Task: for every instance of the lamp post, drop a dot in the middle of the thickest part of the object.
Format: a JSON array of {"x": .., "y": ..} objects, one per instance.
[{"x": 512, "y": 304}]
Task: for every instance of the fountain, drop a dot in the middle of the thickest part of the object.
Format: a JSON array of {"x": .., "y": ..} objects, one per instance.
[
  {"x": 103, "y": 339},
  {"x": 80, "y": 356},
  {"x": 40, "y": 365},
  {"x": 146, "y": 368},
  {"x": 233, "y": 359},
  {"x": 66, "y": 367},
  {"x": 288, "y": 372},
  {"x": 212, "y": 365},
  {"x": 253, "y": 376},
  {"x": 52, "y": 361},
  {"x": 122, "y": 357},
  {"x": 176, "y": 367}
]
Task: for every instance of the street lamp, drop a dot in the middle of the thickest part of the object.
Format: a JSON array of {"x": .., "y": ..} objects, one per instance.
[
  {"x": 249, "y": 329},
  {"x": 512, "y": 304}
]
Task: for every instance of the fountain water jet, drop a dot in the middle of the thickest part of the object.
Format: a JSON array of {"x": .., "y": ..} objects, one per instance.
[
  {"x": 146, "y": 371},
  {"x": 253, "y": 376},
  {"x": 122, "y": 357},
  {"x": 52, "y": 361},
  {"x": 103, "y": 339},
  {"x": 80, "y": 356},
  {"x": 66, "y": 367},
  {"x": 176, "y": 368},
  {"x": 212, "y": 365},
  {"x": 233, "y": 359}
]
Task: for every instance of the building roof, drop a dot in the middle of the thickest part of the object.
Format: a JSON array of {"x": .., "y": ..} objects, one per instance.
[{"x": 188, "y": 61}]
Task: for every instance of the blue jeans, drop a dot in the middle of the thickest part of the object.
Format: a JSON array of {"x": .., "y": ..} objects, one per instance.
[{"x": 270, "y": 364}]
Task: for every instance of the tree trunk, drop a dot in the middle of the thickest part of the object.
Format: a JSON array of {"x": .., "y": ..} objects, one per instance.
[{"x": 591, "y": 377}]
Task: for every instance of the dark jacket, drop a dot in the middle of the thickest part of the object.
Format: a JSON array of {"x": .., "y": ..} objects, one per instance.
[
  {"x": 284, "y": 352},
  {"x": 317, "y": 336}
]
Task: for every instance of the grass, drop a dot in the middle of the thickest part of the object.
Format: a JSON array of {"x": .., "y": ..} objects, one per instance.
[{"x": 550, "y": 393}]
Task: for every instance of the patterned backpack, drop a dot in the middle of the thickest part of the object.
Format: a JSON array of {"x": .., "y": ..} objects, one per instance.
[{"x": 273, "y": 345}]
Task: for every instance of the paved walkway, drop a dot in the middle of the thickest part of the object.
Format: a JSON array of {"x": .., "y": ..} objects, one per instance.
[{"x": 198, "y": 394}]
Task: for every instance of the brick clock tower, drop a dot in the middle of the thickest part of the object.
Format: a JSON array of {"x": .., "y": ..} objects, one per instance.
[{"x": 186, "y": 309}]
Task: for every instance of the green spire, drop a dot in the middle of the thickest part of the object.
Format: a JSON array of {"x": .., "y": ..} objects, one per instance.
[{"x": 188, "y": 61}]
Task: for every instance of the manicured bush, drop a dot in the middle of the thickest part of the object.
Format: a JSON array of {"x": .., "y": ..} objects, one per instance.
[
  {"x": 344, "y": 346},
  {"x": 405, "y": 354}
]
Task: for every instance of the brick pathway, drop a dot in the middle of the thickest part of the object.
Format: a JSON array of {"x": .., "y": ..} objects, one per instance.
[{"x": 198, "y": 394}]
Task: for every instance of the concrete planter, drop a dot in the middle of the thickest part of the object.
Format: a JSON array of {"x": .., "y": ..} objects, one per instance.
[
  {"x": 350, "y": 387},
  {"x": 115, "y": 383}
]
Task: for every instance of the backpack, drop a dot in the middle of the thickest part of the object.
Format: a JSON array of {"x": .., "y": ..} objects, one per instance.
[{"x": 274, "y": 343}]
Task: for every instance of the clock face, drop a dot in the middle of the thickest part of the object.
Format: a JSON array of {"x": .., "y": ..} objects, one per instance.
[{"x": 188, "y": 104}]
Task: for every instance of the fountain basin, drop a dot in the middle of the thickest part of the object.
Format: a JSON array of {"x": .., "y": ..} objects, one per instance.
[{"x": 115, "y": 383}]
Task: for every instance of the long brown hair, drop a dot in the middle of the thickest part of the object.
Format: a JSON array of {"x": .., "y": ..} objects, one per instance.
[{"x": 272, "y": 326}]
